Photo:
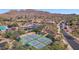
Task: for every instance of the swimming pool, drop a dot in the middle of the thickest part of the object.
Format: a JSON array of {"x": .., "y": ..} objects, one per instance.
[{"x": 2, "y": 28}]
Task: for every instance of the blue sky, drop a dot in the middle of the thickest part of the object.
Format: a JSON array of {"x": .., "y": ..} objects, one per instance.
[
  {"x": 62, "y": 11},
  {"x": 3, "y": 10}
]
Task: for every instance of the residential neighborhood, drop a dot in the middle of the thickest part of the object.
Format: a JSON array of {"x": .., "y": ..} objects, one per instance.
[{"x": 38, "y": 30}]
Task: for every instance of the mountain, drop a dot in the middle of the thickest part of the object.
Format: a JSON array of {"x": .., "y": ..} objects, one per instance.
[{"x": 29, "y": 12}]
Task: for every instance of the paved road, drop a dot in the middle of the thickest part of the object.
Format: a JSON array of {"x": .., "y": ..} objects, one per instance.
[{"x": 72, "y": 41}]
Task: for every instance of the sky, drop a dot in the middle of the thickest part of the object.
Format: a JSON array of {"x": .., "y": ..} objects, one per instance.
[
  {"x": 59, "y": 11},
  {"x": 63, "y": 11}
]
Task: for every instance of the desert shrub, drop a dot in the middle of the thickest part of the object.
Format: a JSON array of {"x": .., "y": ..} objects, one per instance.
[
  {"x": 11, "y": 34},
  {"x": 13, "y": 25},
  {"x": 59, "y": 46},
  {"x": 21, "y": 32}
]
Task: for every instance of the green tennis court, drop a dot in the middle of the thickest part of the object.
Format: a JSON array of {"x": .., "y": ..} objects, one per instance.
[{"x": 35, "y": 40}]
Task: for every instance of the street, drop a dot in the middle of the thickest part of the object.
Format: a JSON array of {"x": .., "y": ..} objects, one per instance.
[{"x": 70, "y": 39}]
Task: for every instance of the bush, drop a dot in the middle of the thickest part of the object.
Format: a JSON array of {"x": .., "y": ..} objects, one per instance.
[
  {"x": 11, "y": 34},
  {"x": 59, "y": 46},
  {"x": 13, "y": 25},
  {"x": 21, "y": 32}
]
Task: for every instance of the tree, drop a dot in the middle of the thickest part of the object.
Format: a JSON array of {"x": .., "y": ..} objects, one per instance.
[{"x": 13, "y": 25}]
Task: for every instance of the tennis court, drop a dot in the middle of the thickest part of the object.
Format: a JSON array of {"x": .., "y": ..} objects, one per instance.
[{"x": 35, "y": 40}]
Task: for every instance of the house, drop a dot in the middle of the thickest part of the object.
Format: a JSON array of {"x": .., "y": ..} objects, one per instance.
[
  {"x": 30, "y": 26},
  {"x": 50, "y": 21}
]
